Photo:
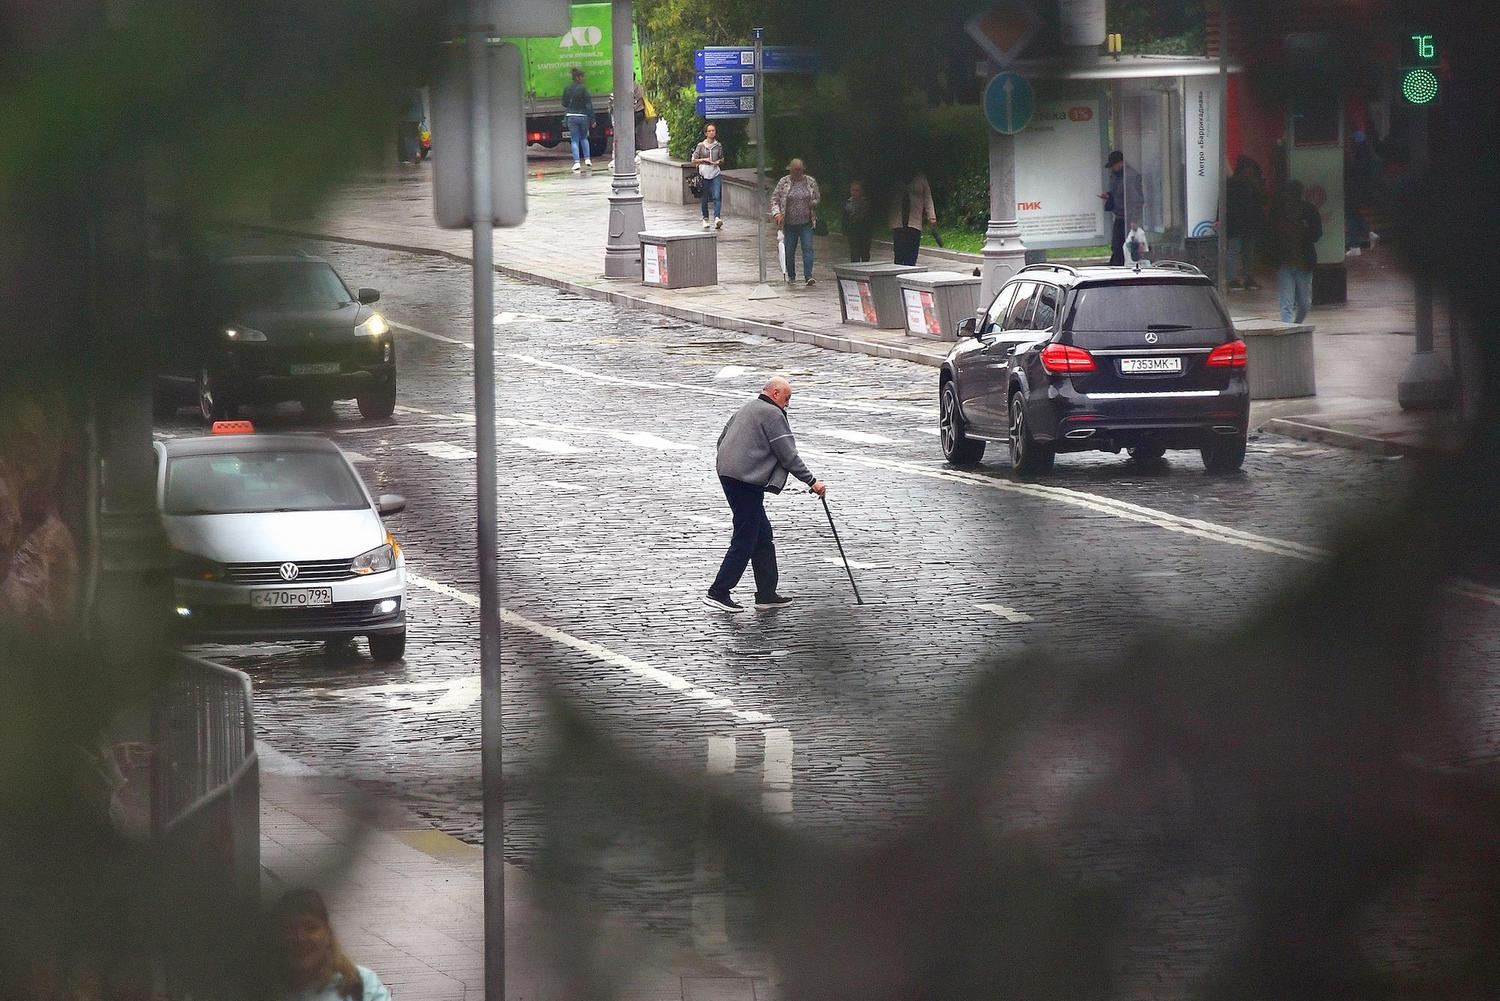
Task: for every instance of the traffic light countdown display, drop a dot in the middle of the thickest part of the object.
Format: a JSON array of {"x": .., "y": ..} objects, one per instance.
[{"x": 1419, "y": 83}]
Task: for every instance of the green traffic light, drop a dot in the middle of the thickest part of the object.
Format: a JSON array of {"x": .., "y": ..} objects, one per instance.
[{"x": 1419, "y": 86}]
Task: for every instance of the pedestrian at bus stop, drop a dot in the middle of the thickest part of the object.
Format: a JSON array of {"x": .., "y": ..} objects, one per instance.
[
  {"x": 708, "y": 157},
  {"x": 409, "y": 127},
  {"x": 912, "y": 210},
  {"x": 756, "y": 453},
  {"x": 309, "y": 964},
  {"x": 1296, "y": 229},
  {"x": 1126, "y": 198},
  {"x": 1247, "y": 211},
  {"x": 794, "y": 205},
  {"x": 858, "y": 226},
  {"x": 578, "y": 108}
]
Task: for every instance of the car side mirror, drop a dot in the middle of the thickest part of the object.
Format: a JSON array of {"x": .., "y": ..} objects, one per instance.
[
  {"x": 367, "y": 295},
  {"x": 390, "y": 504},
  {"x": 967, "y": 326}
]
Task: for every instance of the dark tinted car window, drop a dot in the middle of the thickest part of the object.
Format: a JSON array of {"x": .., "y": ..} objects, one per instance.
[
  {"x": 999, "y": 307},
  {"x": 1046, "y": 309},
  {"x": 279, "y": 285},
  {"x": 1019, "y": 317},
  {"x": 1141, "y": 305}
]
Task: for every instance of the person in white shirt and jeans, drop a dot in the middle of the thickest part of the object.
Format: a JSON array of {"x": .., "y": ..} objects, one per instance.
[{"x": 708, "y": 157}]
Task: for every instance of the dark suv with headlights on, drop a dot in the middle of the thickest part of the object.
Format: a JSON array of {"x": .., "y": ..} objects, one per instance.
[
  {"x": 263, "y": 329},
  {"x": 1098, "y": 358}
]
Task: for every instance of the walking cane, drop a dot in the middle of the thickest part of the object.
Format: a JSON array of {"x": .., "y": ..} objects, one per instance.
[{"x": 857, "y": 599}]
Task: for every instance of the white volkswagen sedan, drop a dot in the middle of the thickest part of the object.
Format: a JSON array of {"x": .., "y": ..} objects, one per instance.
[{"x": 277, "y": 538}]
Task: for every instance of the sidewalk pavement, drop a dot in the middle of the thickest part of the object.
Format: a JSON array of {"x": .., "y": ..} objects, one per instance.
[
  {"x": 1361, "y": 347},
  {"x": 407, "y": 902}
]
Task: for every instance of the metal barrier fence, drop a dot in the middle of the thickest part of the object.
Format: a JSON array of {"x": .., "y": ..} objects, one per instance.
[{"x": 205, "y": 781}]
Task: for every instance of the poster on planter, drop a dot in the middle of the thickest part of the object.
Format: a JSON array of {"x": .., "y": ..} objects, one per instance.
[{"x": 921, "y": 312}]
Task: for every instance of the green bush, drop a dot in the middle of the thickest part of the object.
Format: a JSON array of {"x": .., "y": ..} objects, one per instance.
[{"x": 685, "y": 129}]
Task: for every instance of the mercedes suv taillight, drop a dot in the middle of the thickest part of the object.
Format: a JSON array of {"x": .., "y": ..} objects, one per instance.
[
  {"x": 1065, "y": 359},
  {"x": 1231, "y": 355}
]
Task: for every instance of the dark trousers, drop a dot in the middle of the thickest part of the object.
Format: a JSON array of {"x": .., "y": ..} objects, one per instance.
[
  {"x": 795, "y": 232},
  {"x": 751, "y": 543},
  {"x": 1117, "y": 242},
  {"x": 859, "y": 245},
  {"x": 409, "y": 141},
  {"x": 908, "y": 242}
]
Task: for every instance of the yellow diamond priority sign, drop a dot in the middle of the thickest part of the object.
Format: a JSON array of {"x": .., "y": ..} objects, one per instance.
[{"x": 1003, "y": 29}]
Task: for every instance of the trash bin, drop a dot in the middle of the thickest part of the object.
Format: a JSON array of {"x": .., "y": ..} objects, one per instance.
[
  {"x": 869, "y": 294},
  {"x": 680, "y": 259},
  {"x": 934, "y": 302}
]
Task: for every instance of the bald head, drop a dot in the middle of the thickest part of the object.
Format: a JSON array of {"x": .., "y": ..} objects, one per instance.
[{"x": 779, "y": 390}]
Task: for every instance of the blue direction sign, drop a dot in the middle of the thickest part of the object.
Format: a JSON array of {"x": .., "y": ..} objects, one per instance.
[
  {"x": 724, "y": 58},
  {"x": 726, "y": 106},
  {"x": 1009, "y": 103},
  {"x": 791, "y": 59},
  {"x": 726, "y": 83}
]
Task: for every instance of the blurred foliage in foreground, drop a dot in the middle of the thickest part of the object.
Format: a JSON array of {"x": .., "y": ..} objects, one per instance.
[{"x": 1315, "y": 761}]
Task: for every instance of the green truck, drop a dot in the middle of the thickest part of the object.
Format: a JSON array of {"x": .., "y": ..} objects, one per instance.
[{"x": 588, "y": 45}]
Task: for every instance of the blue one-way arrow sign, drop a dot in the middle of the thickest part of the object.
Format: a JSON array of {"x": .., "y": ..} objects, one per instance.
[
  {"x": 726, "y": 106},
  {"x": 1009, "y": 103},
  {"x": 726, "y": 83}
]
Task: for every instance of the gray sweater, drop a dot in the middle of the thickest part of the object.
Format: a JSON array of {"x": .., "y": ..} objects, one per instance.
[{"x": 757, "y": 447}]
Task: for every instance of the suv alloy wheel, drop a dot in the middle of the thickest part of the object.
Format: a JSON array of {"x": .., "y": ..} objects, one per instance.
[
  {"x": 1026, "y": 456},
  {"x": 958, "y": 448}
]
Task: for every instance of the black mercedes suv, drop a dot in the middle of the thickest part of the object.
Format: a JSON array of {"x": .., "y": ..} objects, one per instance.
[
  {"x": 1098, "y": 358},
  {"x": 262, "y": 329}
]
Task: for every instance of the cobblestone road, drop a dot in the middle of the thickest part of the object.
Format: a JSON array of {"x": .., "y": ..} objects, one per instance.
[{"x": 613, "y": 523}]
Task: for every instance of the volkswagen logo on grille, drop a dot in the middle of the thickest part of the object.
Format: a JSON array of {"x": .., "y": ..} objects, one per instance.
[
  {"x": 1151, "y": 337},
  {"x": 289, "y": 571}
]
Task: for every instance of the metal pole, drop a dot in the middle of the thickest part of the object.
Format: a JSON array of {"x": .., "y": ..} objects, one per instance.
[
  {"x": 1004, "y": 252},
  {"x": 762, "y": 290},
  {"x": 491, "y": 757},
  {"x": 1427, "y": 383},
  {"x": 1222, "y": 231},
  {"x": 627, "y": 209}
]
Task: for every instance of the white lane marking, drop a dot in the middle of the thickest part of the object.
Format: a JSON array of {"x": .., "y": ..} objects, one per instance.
[
  {"x": 389, "y": 428},
  {"x": 776, "y": 774},
  {"x": 442, "y": 450},
  {"x": 501, "y": 319},
  {"x": 857, "y": 437},
  {"x": 856, "y": 564},
  {"x": 666, "y": 679},
  {"x": 403, "y": 409},
  {"x": 571, "y": 488},
  {"x": 1008, "y": 614},
  {"x": 356, "y": 456},
  {"x": 730, "y": 372},
  {"x": 721, "y": 755},
  {"x": 429, "y": 334},
  {"x": 548, "y": 445},
  {"x": 935, "y": 432},
  {"x": 458, "y": 695},
  {"x": 1097, "y": 503},
  {"x": 642, "y": 439},
  {"x": 863, "y": 408},
  {"x": 704, "y": 519}
]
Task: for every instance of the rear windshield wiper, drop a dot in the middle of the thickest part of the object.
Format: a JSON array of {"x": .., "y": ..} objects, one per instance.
[{"x": 1169, "y": 326}]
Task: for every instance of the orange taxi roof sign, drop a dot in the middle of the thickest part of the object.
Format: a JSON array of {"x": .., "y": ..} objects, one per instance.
[{"x": 233, "y": 427}]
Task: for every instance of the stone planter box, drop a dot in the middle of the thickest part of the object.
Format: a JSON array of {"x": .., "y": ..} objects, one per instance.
[
  {"x": 1280, "y": 358},
  {"x": 664, "y": 179}
]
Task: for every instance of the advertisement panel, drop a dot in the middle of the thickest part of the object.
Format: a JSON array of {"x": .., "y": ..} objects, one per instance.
[
  {"x": 1201, "y": 123},
  {"x": 859, "y": 304},
  {"x": 921, "y": 312},
  {"x": 1321, "y": 171},
  {"x": 1058, "y": 161}
]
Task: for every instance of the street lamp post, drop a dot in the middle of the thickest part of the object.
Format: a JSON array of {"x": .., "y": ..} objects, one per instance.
[
  {"x": 627, "y": 213},
  {"x": 1004, "y": 252}
]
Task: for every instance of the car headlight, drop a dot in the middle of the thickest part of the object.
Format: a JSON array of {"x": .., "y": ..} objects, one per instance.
[
  {"x": 373, "y": 327},
  {"x": 242, "y": 334},
  {"x": 375, "y": 561},
  {"x": 186, "y": 566}
]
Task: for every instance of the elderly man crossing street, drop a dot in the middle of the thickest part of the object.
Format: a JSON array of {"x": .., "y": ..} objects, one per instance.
[{"x": 756, "y": 453}]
